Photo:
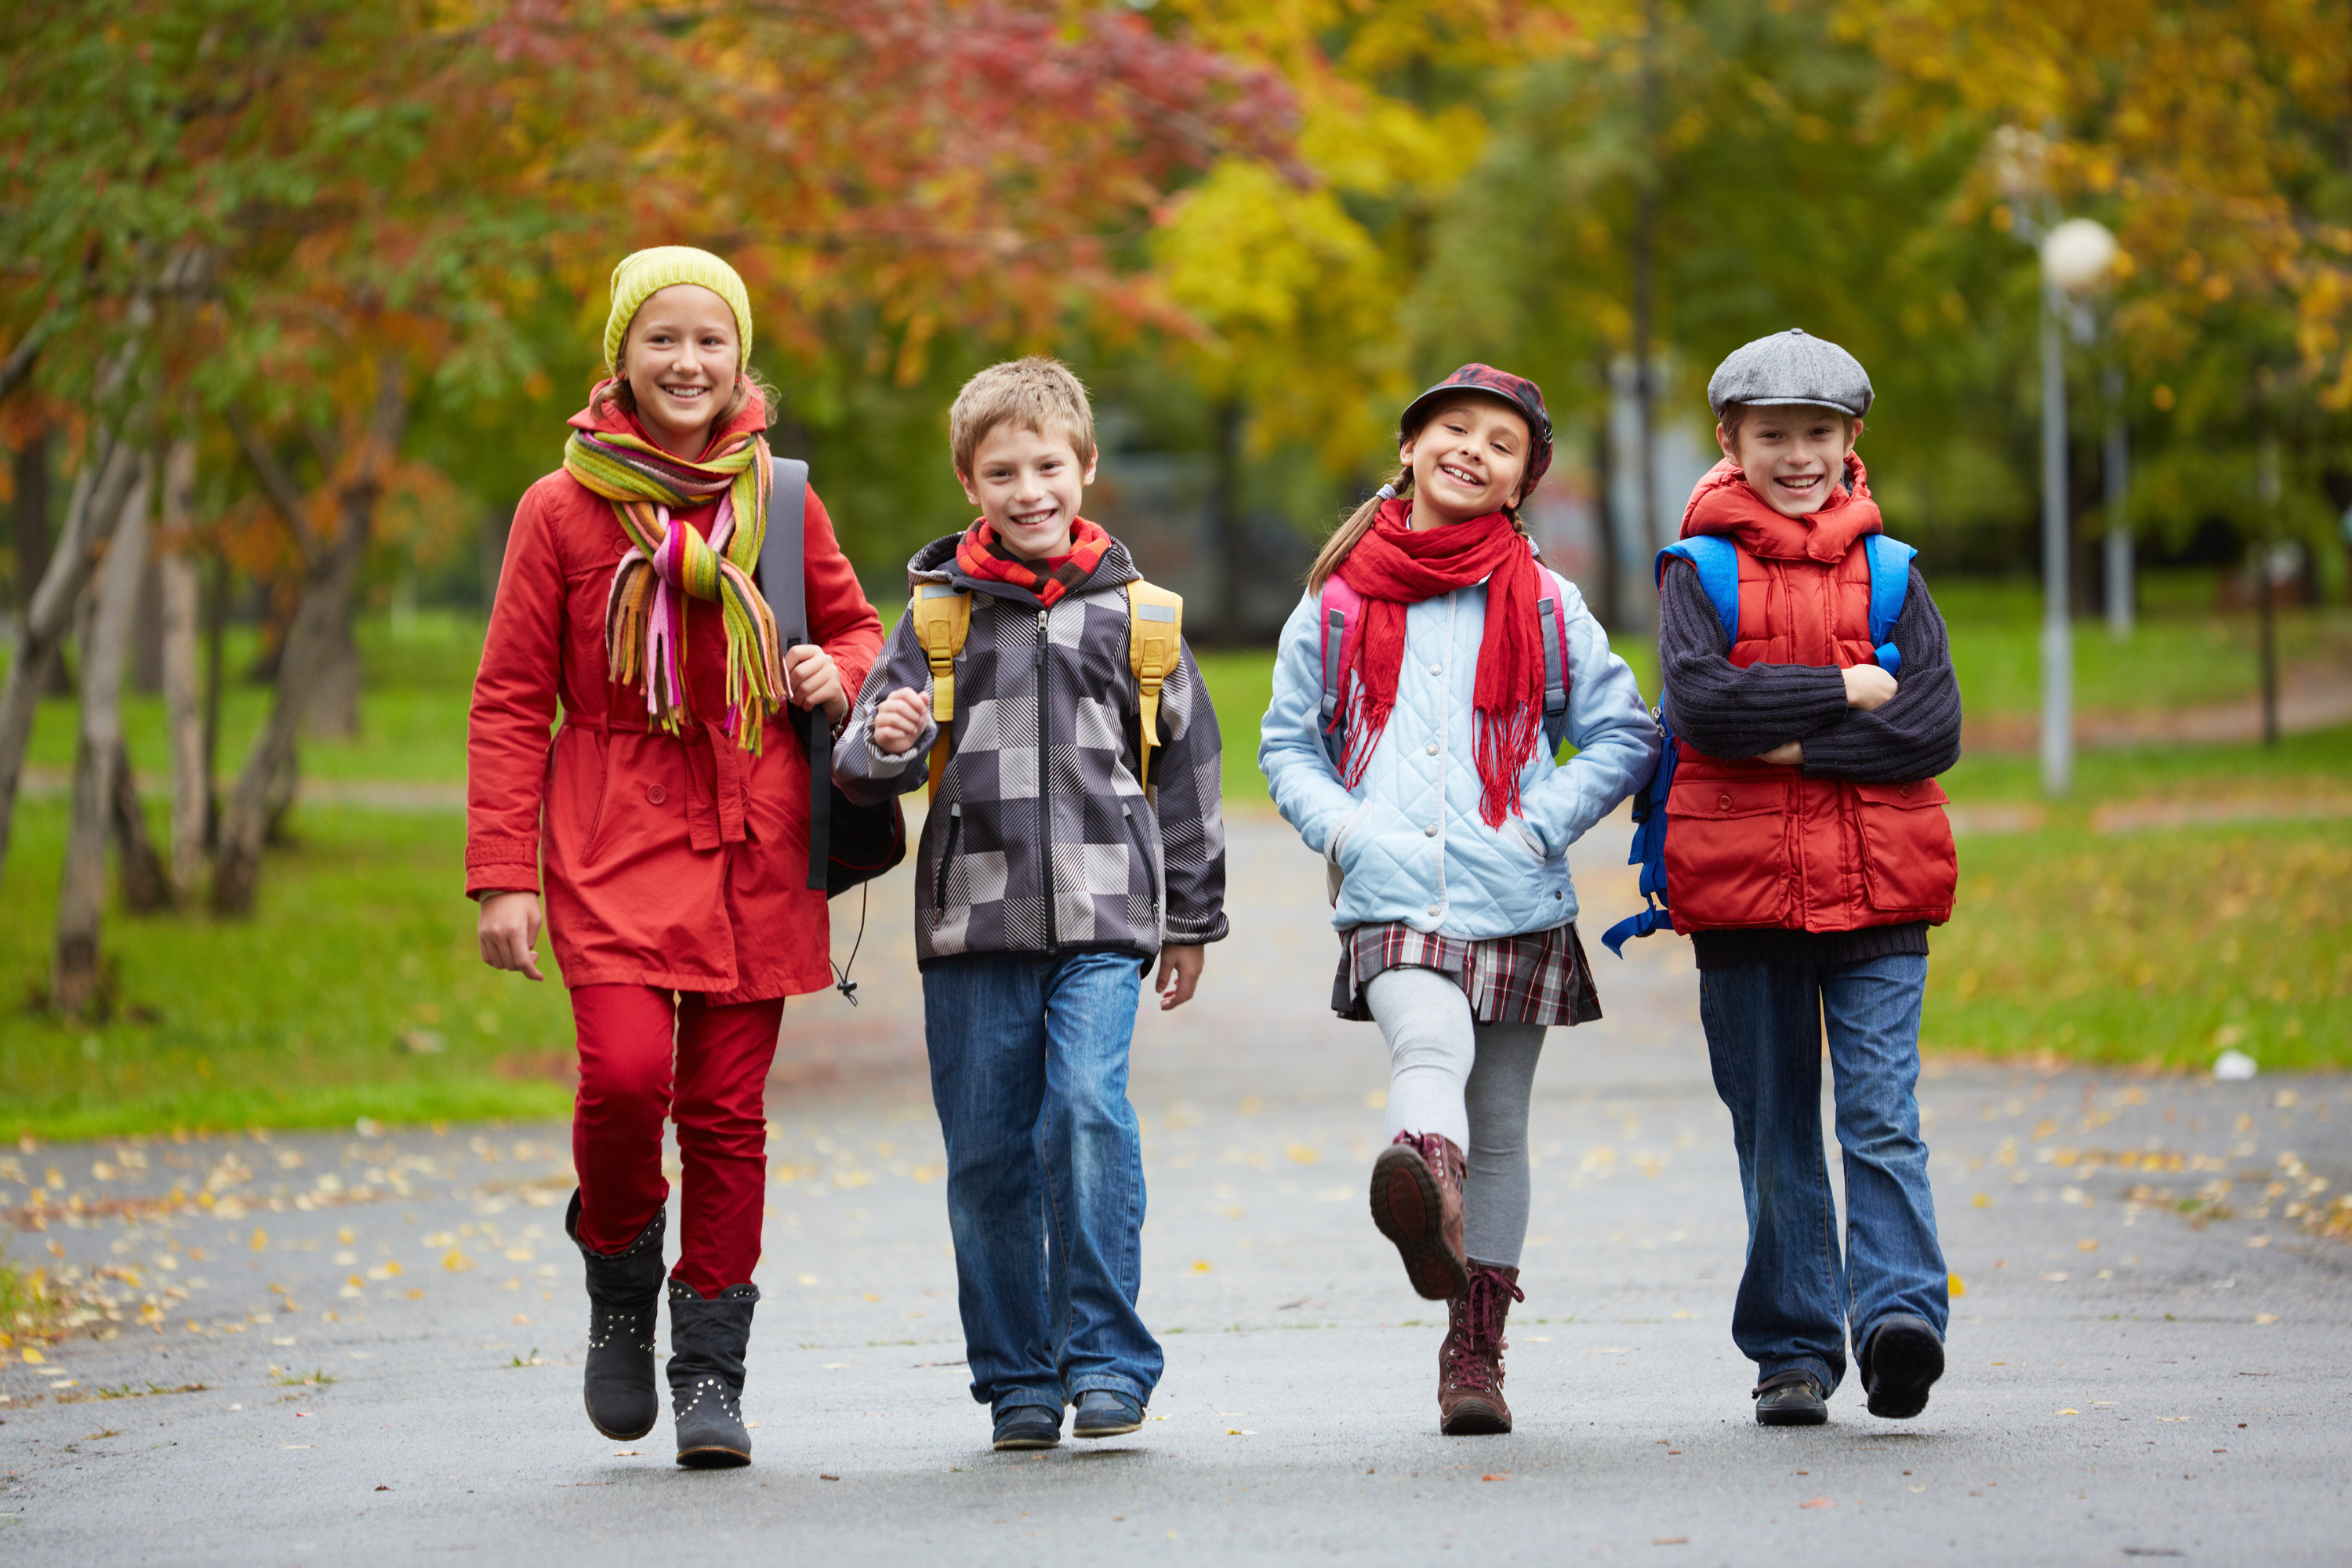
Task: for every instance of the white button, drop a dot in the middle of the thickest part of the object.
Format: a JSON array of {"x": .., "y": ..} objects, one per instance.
[
  {"x": 1437, "y": 669},
  {"x": 1430, "y": 831},
  {"x": 1432, "y": 747},
  {"x": 1433, "y": 910}
]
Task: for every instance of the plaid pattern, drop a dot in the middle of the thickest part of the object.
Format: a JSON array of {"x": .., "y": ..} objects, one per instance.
[
  {"x": 1040, "y": 840},
  {"x": 1537, "y": 978},
  {"x": 980, "y": 554}
]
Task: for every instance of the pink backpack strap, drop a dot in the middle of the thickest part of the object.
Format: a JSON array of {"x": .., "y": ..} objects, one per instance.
[
  {"x": 1551, "y": 615},
  {"x": 1339, "y": 617}
]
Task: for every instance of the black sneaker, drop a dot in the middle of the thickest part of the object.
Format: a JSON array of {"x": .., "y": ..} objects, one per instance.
[
  {"x": 1029, "y": 1426},
  {"x": 1899, "y": 1360},
  {"x": 1102, "y": 1414},
  {"x": 1791, "y": 1399}
]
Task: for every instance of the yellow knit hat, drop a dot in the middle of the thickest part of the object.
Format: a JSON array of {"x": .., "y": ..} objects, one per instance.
[{"x": 647, "y": 272}]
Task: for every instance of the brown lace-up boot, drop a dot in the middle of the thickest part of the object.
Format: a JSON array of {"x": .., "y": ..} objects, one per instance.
[
  {"x": 1470, "y": 1362},
  {"x": 1417, "y": 1203}
]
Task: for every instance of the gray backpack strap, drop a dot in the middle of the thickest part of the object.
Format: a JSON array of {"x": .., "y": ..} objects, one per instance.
[
  {"x": 1555, "y": 720},
  {"x": 784, "y": 581}
]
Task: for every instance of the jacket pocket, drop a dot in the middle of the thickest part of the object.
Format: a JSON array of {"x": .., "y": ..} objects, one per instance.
[
  {"x": 1143, "y": 849},
  {"x": 1909, "y": 864},
  {"x": 947, "y": 861},
  {"x": 1726, "y": 851},
  {"x": 1524, "y": 838},
  {"x": 600, "y": 748}
]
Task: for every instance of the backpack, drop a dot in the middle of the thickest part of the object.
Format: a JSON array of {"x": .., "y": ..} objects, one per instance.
[
  {"x": 1716, "y": 560},
  {"x": 1155, "y": 633},
  {"x": 1340, "y": 606},
  {"x": 848, "y": 843}
]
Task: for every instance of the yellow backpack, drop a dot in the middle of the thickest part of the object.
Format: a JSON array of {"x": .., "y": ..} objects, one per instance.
[{"x": 1155, "y": 632}]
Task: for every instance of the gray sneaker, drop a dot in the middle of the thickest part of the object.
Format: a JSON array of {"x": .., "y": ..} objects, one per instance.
[
  {"x": 1102, "y": 1414},
  {"x": 1029, "y": 1426}
]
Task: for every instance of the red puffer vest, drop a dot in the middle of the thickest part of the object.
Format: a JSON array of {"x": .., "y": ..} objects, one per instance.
[{"x": 1752, "y": 844}]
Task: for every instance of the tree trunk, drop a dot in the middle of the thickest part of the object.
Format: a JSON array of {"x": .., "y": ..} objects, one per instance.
[
  {"x": 146, "y": 885},
  {"x": 1234, "y": 566},
  {"x": 335, "y": 693},
  {"x": 192, "y": 785},
  {"x": 81, "y": 895},
  {"x": 100, "y": 501},
  {"x": 32, "y": 521},
  {"x": 216, "y": 661},
  {"x": 147, "y": 630},
  {"x": 323, "y": 611},
  {"x": 1610, "y": 604}
]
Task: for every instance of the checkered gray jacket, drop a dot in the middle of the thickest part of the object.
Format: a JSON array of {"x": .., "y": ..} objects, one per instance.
[{"x": 1040, "y": 840}]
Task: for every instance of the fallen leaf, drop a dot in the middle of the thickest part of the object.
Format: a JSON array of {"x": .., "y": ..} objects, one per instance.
[
  {"x": 2267, "y": 1317},
  {"x": 2068, "y": 1412},
  {"x": 382, "y": 1488},
  {"x": 823, "y": 1477},
  {"x": 34, "y": 1357},
  {"x": 1819, "y": 1502},
  {"x": 1955, "y": 1285},
  {"x": 2258, "y": 1241},
  {"x": 1501, "y": 1476},
  {"x": 455, "y": 1262},
  {"x": 1982, "y": 1201},
  {"x": 2086, "y": 1245},
  {"x": 1670, "y": 1541},
  {"x": 1200, "y": 1266}
]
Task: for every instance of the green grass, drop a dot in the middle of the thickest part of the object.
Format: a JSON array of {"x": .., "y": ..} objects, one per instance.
[
  {"x": 295, "y": 1017},
  {"x": 2151, "y": 948}
]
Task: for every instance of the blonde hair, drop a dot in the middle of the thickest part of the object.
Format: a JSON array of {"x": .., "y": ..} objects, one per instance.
[{"x": 1037, "y": 394}]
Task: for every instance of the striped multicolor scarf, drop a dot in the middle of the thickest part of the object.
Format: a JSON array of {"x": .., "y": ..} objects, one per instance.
[{"x": 668, "y": 562}]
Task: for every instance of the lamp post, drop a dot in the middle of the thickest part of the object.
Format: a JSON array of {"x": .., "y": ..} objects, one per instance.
[{"x": 2076, "y": 257}]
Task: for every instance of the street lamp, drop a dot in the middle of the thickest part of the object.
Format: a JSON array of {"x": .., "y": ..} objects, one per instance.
[{"x": 2076, "y": 257}]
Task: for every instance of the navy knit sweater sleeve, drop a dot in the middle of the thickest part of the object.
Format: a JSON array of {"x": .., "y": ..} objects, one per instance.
[
  {"x": 1917, "y": 734},
  {"x": 1732, "y": 712}
]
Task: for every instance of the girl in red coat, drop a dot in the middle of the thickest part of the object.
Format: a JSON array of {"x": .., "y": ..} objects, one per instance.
[{"x": 666, "y": 823}]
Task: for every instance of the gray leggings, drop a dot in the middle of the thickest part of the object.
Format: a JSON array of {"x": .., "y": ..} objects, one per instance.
[{"x": 1471, "y": 1082}]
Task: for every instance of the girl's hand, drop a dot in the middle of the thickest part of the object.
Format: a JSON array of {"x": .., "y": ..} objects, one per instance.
[
  {"x": 508, "y": 932},
  {"x": 1179, "y": 972},
  {"x": 812, "y": 680},
  {"x": 899, "y": 721}
]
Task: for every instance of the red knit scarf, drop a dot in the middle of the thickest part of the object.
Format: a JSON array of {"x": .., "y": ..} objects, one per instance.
[
  {"x": 982, "y": 554},
  {"x": 1394, "y": 567}
]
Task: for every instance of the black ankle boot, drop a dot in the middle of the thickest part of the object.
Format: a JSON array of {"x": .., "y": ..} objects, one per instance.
[
  {"x": 707, "y": 1340},
  {"x": 624, "y": 1302}
]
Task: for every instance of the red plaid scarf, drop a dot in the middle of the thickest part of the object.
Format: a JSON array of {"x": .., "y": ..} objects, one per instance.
[
  {"x": 980, "y": 554},
  {"x": 1393, "y": 567}
]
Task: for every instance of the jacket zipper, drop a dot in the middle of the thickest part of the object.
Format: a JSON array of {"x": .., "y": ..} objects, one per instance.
[{"x": 1044, "y": 792}]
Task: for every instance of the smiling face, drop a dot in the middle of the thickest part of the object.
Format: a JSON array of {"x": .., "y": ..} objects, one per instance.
[
  {"x": 1028, "y": 486},
  {"x": 680, "y": 359},
  {"x": 1791, "y": 454},
  {"x": 1467, "y": 461}
]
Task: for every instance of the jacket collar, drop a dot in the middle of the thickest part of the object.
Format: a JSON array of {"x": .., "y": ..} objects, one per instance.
[{"x": 1723, "y": 503}]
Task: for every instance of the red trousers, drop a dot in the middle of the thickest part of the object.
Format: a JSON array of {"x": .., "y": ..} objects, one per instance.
[{"x": 645, "y": 1055}]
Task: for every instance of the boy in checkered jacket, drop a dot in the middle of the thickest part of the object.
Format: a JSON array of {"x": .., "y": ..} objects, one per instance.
[{"x": 1046, "y": 883}]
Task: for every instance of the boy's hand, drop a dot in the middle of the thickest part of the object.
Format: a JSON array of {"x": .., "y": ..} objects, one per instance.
[
  {"x": 812, "y": 680},
  {"x": 1868, "y": 688},
  {"x": 1787, "y": 754},
  {"x": 509, "y": 932},
  {"x": 1179, "y": 972},
  {"x": 899, "y": 721}
]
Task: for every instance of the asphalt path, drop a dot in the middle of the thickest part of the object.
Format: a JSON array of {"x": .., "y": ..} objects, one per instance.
[{"x": 319, "y": 1346}]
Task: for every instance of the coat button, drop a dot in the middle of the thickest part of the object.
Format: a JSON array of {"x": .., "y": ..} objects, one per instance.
[
  {"x": 655, "y": 794},
  {"x": 620, "y": 547},
  {"x": 1433, "y": 909},
  {"x": 1432, "y": 747},
  {"x": 1430, "y": 831},
  {"x": 1723, "y": 801},
  {"x": 1437, "y": 669},
  {"x": 1904, "y": 790}
]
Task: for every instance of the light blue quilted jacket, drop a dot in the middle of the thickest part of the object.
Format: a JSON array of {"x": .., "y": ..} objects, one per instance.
[{"x": 1409, "y": 840}]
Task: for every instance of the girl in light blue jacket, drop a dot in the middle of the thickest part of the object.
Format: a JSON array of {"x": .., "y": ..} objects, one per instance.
[{"x": 1423, "y": 686}]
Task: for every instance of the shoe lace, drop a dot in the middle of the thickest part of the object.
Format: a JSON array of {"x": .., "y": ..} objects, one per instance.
[{"x": 1479, "y": 1345}]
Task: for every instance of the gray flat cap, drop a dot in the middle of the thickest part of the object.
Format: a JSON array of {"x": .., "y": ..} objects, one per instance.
[{"x": 1791, "y": 367}]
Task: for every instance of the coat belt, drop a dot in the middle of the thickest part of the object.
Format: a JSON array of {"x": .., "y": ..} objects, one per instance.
[{"x": 717, "y": 774}]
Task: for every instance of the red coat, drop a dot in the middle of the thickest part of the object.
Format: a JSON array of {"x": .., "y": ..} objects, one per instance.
[
  {"x": 666, "y": 861},
  {"x": 1752, "y": 844}
]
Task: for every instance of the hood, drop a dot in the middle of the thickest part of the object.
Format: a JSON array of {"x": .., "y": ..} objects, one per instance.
[
  {"x": 609, "y": 419},
  {"x": 936, "y": 563},
  {"x": 1723, "y": 503}
]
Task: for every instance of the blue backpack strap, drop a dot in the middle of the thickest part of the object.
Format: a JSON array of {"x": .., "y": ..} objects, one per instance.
[
  {"x": 1890, "y": 583},
  {"x": 1649, "y": 853},
  {"x": 1716, "y": 560}
]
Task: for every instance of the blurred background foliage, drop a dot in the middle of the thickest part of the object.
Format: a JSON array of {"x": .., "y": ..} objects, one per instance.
[{"x": 333, "y": 276}]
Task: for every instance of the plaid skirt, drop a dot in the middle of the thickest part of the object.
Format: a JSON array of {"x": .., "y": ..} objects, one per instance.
[{"x": 1537, "y": 978}]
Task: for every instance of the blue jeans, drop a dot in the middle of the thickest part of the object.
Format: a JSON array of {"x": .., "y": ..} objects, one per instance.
[
  {"x": 1045, "y": 1173},
  {"x": 1764, "y": 1041}
]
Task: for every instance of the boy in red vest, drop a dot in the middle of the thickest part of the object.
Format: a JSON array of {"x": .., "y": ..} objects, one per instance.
[{"x": 1807, "y": 854}]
